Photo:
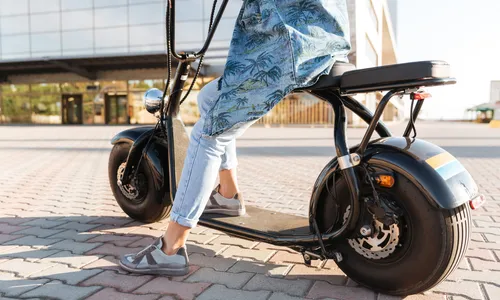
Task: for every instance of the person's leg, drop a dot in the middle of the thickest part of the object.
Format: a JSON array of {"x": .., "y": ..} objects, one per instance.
[
  {"x": 227, "y": 173},
  {"x": 198, "y": 177},
  {"x": 202, "y": 163}
]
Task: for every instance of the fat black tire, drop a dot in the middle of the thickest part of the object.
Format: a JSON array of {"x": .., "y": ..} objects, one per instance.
[
  {"x": 439, "y": 239},
  {"x": 152, "y": 208}
]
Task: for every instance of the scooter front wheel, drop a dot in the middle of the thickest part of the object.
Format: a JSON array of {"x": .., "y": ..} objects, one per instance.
[
  {"x": 138, "y": 199},
  {"x": 415, "y": 253}
]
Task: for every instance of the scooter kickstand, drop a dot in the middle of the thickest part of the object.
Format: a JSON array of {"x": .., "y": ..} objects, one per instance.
[{"x": 307, "y": 259}]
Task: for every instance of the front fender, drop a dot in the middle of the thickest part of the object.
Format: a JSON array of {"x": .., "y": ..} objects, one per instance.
[
  {"x": 438, "y": 175},
  {"x": 130, "y": 135},
  {"x": 156, "y": 157}
]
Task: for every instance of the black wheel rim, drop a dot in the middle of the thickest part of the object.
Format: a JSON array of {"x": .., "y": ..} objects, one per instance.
[{"x": 138, "y": 185}]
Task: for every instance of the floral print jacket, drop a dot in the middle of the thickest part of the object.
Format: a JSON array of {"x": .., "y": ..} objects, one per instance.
[{"x": 277, "y": 46}]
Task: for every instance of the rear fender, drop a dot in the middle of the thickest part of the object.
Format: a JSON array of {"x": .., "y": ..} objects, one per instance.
[
  {"x": 439, "y": 176},
  {"x": 156, "y": 157}
]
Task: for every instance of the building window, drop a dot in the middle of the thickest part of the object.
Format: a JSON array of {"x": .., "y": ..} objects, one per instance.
[
  {"x": 13, "y": 7},
  {"x": 14, "y": 25},
  {"x": 81, "y": 39},
  {"x": 80, "y": 19},
  {"x": 112, "y": 37},
  {"x": 15, "y": 44},
  {"x": 110, "y": 17},
  {"x": 371, "y": 53},
  {"x": 146, "y": 14},
  {"x": 45, "y": 42},
  {"x": 45, "y": 22},
  {"x": 38, "y": 6},
  {"x": 72, "y": 4},
  {"x": 372, "y": 13}
]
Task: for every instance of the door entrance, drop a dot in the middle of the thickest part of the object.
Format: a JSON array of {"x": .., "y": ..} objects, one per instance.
[
  {"x": 115, "y": 108},
  {"x": 72, "y": 109}
]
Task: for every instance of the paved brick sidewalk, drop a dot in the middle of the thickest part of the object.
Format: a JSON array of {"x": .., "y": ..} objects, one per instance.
[{"x": 61, "y": 232}]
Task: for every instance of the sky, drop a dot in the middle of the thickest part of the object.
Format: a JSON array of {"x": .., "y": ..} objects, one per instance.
[{"x": 464, "y": 33}]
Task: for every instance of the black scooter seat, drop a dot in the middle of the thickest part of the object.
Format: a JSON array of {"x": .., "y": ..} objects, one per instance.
[{"x": 346, "y": 78}]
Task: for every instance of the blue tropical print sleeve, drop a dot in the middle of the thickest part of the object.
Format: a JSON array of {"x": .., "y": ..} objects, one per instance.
[{"x": 277, "y": 46}]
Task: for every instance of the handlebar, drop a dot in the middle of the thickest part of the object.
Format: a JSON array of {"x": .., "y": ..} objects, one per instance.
[{"x": 171, "y": 30}]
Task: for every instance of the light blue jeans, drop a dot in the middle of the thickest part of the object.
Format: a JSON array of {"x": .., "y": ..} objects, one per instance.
[{"x": 206, "y": 155}]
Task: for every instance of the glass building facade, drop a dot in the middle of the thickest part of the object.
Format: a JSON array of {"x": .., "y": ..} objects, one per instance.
[
  {"x": 58, "y": 28},
  {"x": 65, "y": 29},
  {"x": 90, "y": 61}
]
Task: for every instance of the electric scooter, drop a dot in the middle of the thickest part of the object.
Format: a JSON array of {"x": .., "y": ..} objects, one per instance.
[{"x": 393, "y": 212}]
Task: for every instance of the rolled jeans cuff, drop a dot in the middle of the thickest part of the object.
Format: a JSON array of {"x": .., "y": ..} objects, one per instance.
[{"x": 182, "y": 221}]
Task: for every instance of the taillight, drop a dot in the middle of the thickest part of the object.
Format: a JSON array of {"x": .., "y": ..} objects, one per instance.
[{"x": 477, "y": 202}]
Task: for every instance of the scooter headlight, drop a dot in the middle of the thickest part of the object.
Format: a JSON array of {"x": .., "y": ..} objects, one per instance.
[{"x": 152, "y": 100}]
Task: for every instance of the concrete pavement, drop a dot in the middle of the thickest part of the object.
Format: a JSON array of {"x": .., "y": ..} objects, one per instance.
[{"x": 61, "y": 231}]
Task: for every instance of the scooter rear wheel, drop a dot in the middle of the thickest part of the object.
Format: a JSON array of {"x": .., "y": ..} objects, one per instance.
[
  {"x": 138, "y": 199},
  {"x": 427, "y": 244}
]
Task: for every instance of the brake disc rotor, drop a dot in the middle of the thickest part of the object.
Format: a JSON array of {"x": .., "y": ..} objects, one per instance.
[
  {"x": 128, "y": 190},
  {"x": 379, "y": 246}
]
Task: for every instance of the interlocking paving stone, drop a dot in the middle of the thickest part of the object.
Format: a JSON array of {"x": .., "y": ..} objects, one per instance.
[
  {"x": 105, "y": 263},
  {"x": 38, "y": 232},
  {"x": 9, "y": 228},
  {"x": 68, "y": 275},
  {"x": 112, "y": 294},
  {"x": 110, "y": 249},
  {"x": 268, "y": 269},
  {"x": 32, "y": 241},
  {"x": 297, "y": 287},
  {"x": 73, "y": 260},
  {"x": 216, "y": 263},
  {"x": 322, "y": 289},
  {"x": 27, "y": 253},
  {"x": 237, "y": 252},
  {"x": 14, "y": 286},
  {"x": 73, "y": 235},
  {"x": 59, "y": 185},
  {"x": 7, "y": 237},
  {"x": 162, "y": 285},
  {"x": 24, "y": 268},
  {"x": 219, "y": 292},
  {"x": 80, "y": 227},
  {"x": 493, "y": 291},
  {"x": 283, "y": 296},
  {"x": 226, "y": 240},
  {"x": 44, "y": 223},
  {"x": 75, "y": 247},
  {"x": 123, "y": 283},
  {"x": 57, "y": 289},
  {"x": 227, "y": 279},
  {"x": 467, "y": 289},
  {"x": 117, "y": 240},
  {"x": 333, "y": 276}
]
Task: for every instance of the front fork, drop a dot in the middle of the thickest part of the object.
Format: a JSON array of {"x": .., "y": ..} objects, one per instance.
[{"x": 168, "y": 122}]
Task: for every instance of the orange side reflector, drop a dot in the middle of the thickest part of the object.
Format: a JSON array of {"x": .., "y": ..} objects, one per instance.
[
  {"x": 477, "y": 202},
  {"x": 385, "y": 180},
  {"x": 420, "y": 96}
]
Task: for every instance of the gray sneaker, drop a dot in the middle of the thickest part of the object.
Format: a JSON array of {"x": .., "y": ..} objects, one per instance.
[
  {"x": 152, "y": 260},
  {"x": 218, "y": 204}
]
